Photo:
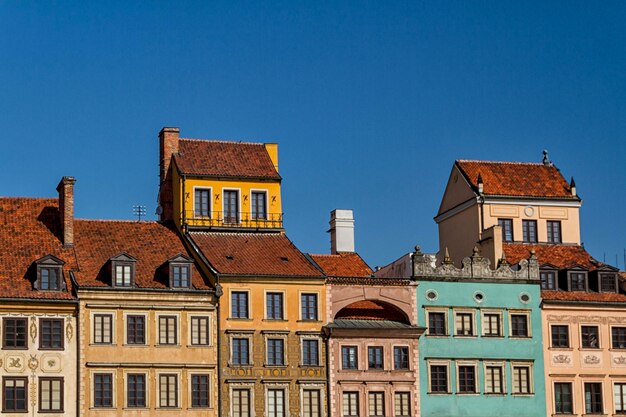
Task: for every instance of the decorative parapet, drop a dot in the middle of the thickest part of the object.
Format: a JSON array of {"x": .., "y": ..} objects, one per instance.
[{"x": 476, "y": 267}]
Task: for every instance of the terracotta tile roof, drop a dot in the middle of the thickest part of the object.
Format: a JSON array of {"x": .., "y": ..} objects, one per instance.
[
  {"x": 516, "y": 179},
  {"x": 343, "y": 265},
  {"x": 29, "y": 230},
  {"x": 151, "y": 243},
  {"x": 225, "y": 159},
  {"x": 561, "y": 256},
  {"x": 261, "y": 254},
  {"x": 370, "y": 310},
  {"x": 583, "y": 296},
  {"x": 369, "y": 281}
]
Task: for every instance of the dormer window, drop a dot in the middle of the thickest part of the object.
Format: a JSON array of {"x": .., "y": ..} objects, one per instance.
[
  {"x": 49, "y": 274},
  {"x": 578, "y": 281},
  {"x": 123, "y": 270},
  {"x": 180, "y": 271},
  {"x": 608, "y": 282}
]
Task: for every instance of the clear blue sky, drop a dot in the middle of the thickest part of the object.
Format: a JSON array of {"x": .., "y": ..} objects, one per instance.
[{"x": 370, "y": 102}]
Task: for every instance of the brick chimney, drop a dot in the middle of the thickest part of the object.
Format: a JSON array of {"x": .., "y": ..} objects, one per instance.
[
  {"x": 341, "y": 231},
  {"x": 66, "y": 210},
  {"x": 168, "y": 146}
]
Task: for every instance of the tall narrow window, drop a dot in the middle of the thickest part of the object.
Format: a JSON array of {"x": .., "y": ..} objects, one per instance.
[
  {"x": 103, "y": 329},
  {"x": 50, "y": 394},
  {"x": 202, "y": 202},
  {"x": 102, "y": 390},
  {"x": 560, "y": 336},
  {"x": 49, "y": 278},
  {"x": 376, "y": 404},
  {"x": 311, "y": 404},
  {"x": 136, "y": 390},
  {"x": 231, "y": 206},
  {"x": 240, "y": 351},
  {"x": 400, "y": 357},
  {"x": 554, "y": 231},
  {"x": 521, "y": 379},
  {"x": 350, "y": 404},
  {"x": 180, "y": 276},
  {"x": 618, "y": 337},
  {"x": 491, "y": 324},
  {"x": 349, "y": 357},
  {"x": 168, "y": 390},
  {"x": 274, "y": 305},
  {"x": 589, "y": 337},
  {"x": 168, "y": 330},
  {"x": 259, "y": 205},
  {"x": 276, "y": 402},
  {"x": 199, "y": 391},
  {"x": 619, "y": 395},
  {"x": 309, "y": 306},
  {"x": 593, "y": 398},
  {"x": 200, "y": 331},
  {"x": 402, "y": 404},
  {"x": 310, "y": 352},
  {"x": 14, "y": 333},
  {"x": 493, "y": 380},
  {"x": 239, "y": 307},
  {"x": 123, "y": 275},
  {"x": 463, "y": 324},
  {"x": 275, "y": 352},
  {"x": 241, "y": 402},
  {"x": 519, "y": 325},
  {"x": 563, "y": 398},
  {"x": 375, "y": 357},
  {"x": 507, "y": 229},
  {"x": 578, "y": 281},
  {"x": 14, "y": 394},
  {"x": 438, "y": 379},
  {"x": 135, "y": 330},
  {"x": 51, "y": 334},
  {"x": 548, "y": 280},
  {"x": 467, "y": 379},
  {"x": 529, "y": 231},
  {"x": 436, "y": 323}
]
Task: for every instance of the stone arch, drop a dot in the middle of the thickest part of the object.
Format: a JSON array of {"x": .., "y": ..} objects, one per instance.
[{"x": 372, "y": 310}]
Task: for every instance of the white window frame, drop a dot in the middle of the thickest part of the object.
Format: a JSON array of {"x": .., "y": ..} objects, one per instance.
[
  {"x": 239, "y": 386},
  {"x": 446, "y": 318},
  {"x": 158, "y": 329},
  {"x": 267, "y": 201},
  {"x": 313, "y": 386},
  {"x": 476, "y": 379},
  {"x": 230, "y": 303},
  {"x": 92, "y": 327},
  {"x": 318, "y": 294},
  {"x": 277, "y": 386},
  {"x": 206, "y": 315},
  {"x": 438, "y": 362},
  {"x": 239, "y": 212},
  {"x": 502, "y": 367},
  {"x": 275, "y": 335},
  {"x": 531, "y": 383},
  {"x": 179, "y": 401},
  {"x": 410, "y": 394},
  {"x": 92, "y": 396},
  {"x": 319, "y": 349},
  {"x": 145, "y": 315},
  {"x": 520, "y": 312},
  {"x": 470, "y": 311},
  {"x": 147, "y": 390},
  {"x": 235, "y": 335},
  {"x": 200, "y": 372},
  {"x": 193, "y": 201},
  {"x": 284, "y": 293},
  {"x": 499, "y": 313}
]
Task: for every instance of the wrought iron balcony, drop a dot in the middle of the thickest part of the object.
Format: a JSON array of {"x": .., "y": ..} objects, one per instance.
[{"x": 232, "y": 220}]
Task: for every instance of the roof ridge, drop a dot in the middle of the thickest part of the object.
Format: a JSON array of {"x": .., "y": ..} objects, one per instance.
[
  {"x": 505, "y": 162},
  {"x": 27, "y": 198},
  {"x": 118, "y": 221},
  {"x": 227, "y": 141}
]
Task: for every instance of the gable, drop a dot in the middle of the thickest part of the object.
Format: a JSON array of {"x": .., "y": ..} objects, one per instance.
[{"x": 457, "y": 191}]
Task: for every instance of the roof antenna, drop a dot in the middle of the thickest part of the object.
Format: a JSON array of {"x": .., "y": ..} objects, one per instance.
[
  {"x": 139, "y": 211},
  {"x": 546, "y": 160}
]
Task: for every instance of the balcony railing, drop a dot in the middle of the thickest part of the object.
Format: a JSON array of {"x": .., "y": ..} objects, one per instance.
[{"x": 220, "y": 219}]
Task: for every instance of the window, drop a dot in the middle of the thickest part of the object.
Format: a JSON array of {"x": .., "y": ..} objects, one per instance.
[
  {"x": 14, "y": 333},
  {"x": 467, "y": 379},
  {"x": 560, "y": 336},
  {"x": 310, "y": 352},
  {"x": 400, "y": 357},
  {"x": 202, "y": 202},
  {"x": 241, "y": 349},
  {"x": 180, "y": 276},
  {"x": 309, "y": 306},
  {"x": 376, "y": 404},
  {"x": 136, "y": 390},
  {"x": 275, "y": 352},
  {"x": 276, "y": 402},
  {"x": 168, "y": 330},
  {"x": 239, "y": 307},
  {"x": 241, "y": 402},
  {"x": 554, "y": 231},
  {"x": 578, "y": 281},
  {"x": 507, "y": 229},
  {"x": 168, "y": 390},
  {"x": 593, "y": 398},
  {"x": 123, "y": 274},
  {"x": 619, "y": 395},
  {"x": 102, "y": 390},
  {"x": 618, "y": 336},
  {"x": 200, "y": 331},
  {"x": 375, "y": 357},
  {"x": 491, "y": 324},
  {"x": 258, "y": 205},
  {"x": 402, "y": 404},
  {"x": 493, "y": 379},
  {"x": 608, "y": 283},
  {"x": 50, "y": 394},
  {"x": 199, "y": 391},
  {"x": 349, "y": 357},
  {"x": 548, "y": 280},
  {"x": 135, "y": 330},
  {"x": 231, "y": 206},
  {"x": 529, "y": 231},
  {"x": 103, "y": 329},
  {"x": 14, "y": 391},
  {"x": 463, "y": 324},
  {"x": 311, "y": 404},
  {"x": 350, "y": 404},
  {"x": 519, "y": 325},
  {"x": 589, "y": 337},
  {"x": 51, "y": 334},
  {"x": 49, "y": 278},
  {"x": 438, "y": 379},
  {"x": 563, "y": 398},
  {"x": 274, "y": 305},
  {"x": 436, "y": 323},
  {"x": 521, "y": 379}
]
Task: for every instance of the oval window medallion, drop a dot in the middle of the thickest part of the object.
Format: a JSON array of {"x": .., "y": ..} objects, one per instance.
[
  {"x": 524, "y": 298},
  {"x": 431, "y": 295},
  {"x": 479, "y": 296},
  {"x": 529, "y": 211}
]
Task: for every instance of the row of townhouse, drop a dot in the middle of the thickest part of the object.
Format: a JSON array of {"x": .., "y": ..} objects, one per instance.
[{"x": 213, "y": 310}]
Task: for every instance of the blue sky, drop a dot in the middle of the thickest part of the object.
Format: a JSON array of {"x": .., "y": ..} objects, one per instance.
[{"x": 370, "y": 102}]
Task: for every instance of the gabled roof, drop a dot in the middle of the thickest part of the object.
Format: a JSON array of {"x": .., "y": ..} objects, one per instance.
[
  {"x": 560, "y": 256},
  {"x": 30, "y": 230},
  {"x": 257, "y": 254},
  {"x": 343, "y": 265},
  {"x": 225, "y": 159},
  {"x": 516, "y": 179},
  {"x": 152, "y": 244}
]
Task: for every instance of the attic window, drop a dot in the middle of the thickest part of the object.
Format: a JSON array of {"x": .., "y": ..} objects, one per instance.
[
  {"x": 180, "y": 271},
  {"x": 608, "y": 282},
  {"x": 123, "y": 271},
  {"x": 49, "y": 274}
]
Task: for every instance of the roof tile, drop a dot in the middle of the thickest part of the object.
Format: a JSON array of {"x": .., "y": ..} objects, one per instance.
[
  {"x": 343, "y": 265},
  {"x": 561, "y": 256}
]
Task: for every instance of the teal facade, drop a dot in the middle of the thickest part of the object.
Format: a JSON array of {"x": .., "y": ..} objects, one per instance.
[{"x": 478, "y": 298}]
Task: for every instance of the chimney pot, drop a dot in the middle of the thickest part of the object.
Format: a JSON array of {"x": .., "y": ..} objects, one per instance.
[
  {"x": 341, "y": 231},
  {"x": 66, "y": 210}
]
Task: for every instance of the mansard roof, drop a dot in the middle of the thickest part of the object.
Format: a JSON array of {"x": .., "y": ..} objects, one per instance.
[
  {"x": 343, "y": 265},
  {"x": 225, "y": 159},
  {"x": 559, "y": 256}
]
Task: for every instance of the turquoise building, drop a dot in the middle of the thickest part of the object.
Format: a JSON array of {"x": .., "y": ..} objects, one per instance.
[{"x": 482, "y": 354}]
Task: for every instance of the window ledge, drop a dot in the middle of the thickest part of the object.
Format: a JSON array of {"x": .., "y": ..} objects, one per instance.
[
  {"x": 169, "y": 346},
  {"x": 15, "y": 348},
  {"x": 139, "y": 345},
  {"x": 308, "y": 321},
  {"x": 276, "y": 320},
  {"x": 439, "y": 393},
  {"x": 441, "y": 336},
  {"x": 239, "y": 319},
  {"x": 466, "y": 336},
  {"x": 561, "y": 348},
  {"x": 275, "y": 366}
]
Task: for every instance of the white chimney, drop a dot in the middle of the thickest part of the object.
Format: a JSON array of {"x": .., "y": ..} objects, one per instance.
[{"x": 341, "y": 231}]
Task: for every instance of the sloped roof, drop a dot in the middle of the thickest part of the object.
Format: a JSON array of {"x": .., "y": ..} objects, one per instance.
[
  {"x": 225, "y": 159},
  {"x": 561, "y": 256},
  {"x": 150, "y": 243},
  {"x": 371, "y": 310},
  {"x": 516, "y": 179},
  {"x": 30, "y": 229},
  {"x": 259, "y": 254},
  {"x": 595, "y": 297},
  {"x": 343, "y": 265}
]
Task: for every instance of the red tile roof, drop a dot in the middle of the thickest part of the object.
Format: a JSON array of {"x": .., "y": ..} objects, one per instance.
[
  {"x": 260, "y": 254},
  {"x": 516, "y": 179},
  {"x": 561, "y": 256},
  {"x": 343, "y": 265},
  {"x": 602, "y": 297},
  {"x": 370, "y": 310},
  {"x": 151, "y": 243},
  {"x": 30, "y": 229},
  {"x": 225, "y": 159}
]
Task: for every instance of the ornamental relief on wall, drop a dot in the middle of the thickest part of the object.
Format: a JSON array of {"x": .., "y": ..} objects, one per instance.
[
  {"x": 578, "y": 319},
  {"x": 51, "y": 362},
  {"x": 618, "y": 360},
  {"x": 591, "y": 360},
  {"x": 562, "y": 359},
  {"x": 14, "y": 363}
]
